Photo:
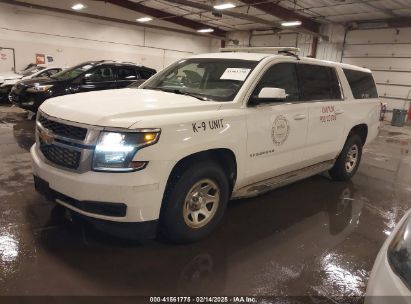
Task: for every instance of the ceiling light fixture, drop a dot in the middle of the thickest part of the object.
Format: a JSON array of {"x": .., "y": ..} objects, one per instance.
[
  {"x": 205, "y": 30},
  {"x": 224, "y": 6},
  {"x": 78, "y": 6},
  {"x": 144, "y": 19},
  {"x": 291, "y": 23}
]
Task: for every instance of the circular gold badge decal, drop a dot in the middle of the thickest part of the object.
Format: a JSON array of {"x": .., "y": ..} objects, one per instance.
[{"x": 280, "y": 130}]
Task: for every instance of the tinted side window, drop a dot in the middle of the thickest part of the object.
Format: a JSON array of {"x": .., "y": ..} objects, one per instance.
[
  {"x": 44, "y": 74},
  {"x": 127, "y": 73},
  {"x": 318, "y": 82},
  {"x": 282, "y": 76},
  {"x": 50, "y": 72},
  {"x": 146, "y": 74},
  {"x": 362, "y": 84},
  {"x": 54, "y": 71},
  {"x": 101, "y": 74}
]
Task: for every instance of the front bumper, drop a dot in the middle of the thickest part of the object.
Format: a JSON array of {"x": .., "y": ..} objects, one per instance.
[
  {"x": 140, "y": 193},
  {"x": 4, "y": 93},
  {"x": 138, "y": 230},
  {"x": 28, "y": 101}
]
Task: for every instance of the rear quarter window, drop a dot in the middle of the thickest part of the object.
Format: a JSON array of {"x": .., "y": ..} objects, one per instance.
[{"x": 362, "y": 84}]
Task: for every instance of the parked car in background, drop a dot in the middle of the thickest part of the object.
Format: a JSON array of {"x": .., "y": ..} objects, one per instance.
[
  {"x": 85, "y": 77},
  {"x": 29, "y": 66},
  {"x": 28, "y": 70},
  {"x": 391, "y": 274},
  {"x": 35, "y": 73}
]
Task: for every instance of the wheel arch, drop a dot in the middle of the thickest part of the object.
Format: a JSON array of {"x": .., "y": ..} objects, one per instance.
[
  {"x": 223, "y": 156},
  {"x": 361, "y": 130}
]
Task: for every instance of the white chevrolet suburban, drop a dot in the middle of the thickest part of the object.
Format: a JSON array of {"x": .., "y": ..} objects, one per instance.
[{"x": 169, "y": 155}]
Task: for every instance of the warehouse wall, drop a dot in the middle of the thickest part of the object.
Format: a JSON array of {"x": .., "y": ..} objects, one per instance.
[
  {"x": 387, "y": 52},
  {"x": 72, "y": 40},
  {"x": 243, "y": 38},
  {"x": 288, "y": 39}
]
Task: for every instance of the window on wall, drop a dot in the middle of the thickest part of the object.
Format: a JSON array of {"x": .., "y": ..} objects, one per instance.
[
  {"x": 362, "y": 84},
  {"x": 282, "y": 76},
  {"x": 318, "y": 82}
]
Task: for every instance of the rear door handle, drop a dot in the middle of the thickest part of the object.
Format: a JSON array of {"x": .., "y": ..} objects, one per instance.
[
  {"x": 338, "y": 112},
  {"x": 300, "y": 117}
]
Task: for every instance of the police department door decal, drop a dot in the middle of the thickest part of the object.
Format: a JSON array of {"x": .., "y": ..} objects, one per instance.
[{"x": 280, "y": 130}]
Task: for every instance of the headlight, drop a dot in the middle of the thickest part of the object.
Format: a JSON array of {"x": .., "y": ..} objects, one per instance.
[
  {"x": 399, "y": 253},
  {"x": 115, "y": 151},
  {"x": 39, "y": 88}
]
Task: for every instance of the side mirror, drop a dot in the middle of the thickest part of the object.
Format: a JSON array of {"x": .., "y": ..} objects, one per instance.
[{"x": 272, "y": 93}]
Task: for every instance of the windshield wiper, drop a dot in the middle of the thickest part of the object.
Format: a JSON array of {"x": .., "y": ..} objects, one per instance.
[{"x": 177, "y": 91}]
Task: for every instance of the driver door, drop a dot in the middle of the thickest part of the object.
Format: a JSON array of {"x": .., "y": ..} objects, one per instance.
[{"x": 277, "y": 129}]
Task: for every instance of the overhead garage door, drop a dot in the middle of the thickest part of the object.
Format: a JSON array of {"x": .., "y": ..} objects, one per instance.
[{"x": 387, "y": 52}]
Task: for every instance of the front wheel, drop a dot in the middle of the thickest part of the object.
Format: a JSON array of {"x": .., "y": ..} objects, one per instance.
[
  {"x": 349, "y": 159},
  {"x": 194, "y": 202}
]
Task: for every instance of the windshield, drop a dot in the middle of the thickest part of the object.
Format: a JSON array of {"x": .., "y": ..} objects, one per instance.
[
  {"x": 73, "y": 72},
  {"x": 32, "y": 70},
  {"x": 209, "y": 78}
]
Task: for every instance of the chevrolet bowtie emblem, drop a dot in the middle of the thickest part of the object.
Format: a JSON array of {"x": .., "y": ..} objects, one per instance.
[{"x": 46, "y": 136}]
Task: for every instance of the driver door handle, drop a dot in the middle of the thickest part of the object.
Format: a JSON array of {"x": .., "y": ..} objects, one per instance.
[
  {"x": 300, "y": 117},
  {"x": 338, "y": 112}
]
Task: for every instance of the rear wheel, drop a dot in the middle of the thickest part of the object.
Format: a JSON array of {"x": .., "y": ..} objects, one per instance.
[
  {"x": 194, "y": 202},
  {"x": 349, "y": 159}
]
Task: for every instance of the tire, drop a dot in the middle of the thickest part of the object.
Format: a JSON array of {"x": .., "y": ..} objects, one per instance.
[
  {"x": 184, "y": 202},
  {"x": 341, "y": 170}
]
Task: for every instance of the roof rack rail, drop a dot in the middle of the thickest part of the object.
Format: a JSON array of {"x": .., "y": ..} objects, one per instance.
[
  {"x": 260, "y": 49},
  {"x": 290, "y": 51},
  {"x": 130, "y": 62}
]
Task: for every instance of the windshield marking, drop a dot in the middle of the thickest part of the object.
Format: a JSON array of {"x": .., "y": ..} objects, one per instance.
[
  {"x": 207, "y": 79},
  {"x": 239, "y": 74}
]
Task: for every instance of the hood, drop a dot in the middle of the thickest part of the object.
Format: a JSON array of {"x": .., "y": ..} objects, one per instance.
[
  {"x": 9, "y": 76},
  {"x": 121, "y": 108},
  {"x": 42, "y": 81},
  {"x": 10, "y": 82}
]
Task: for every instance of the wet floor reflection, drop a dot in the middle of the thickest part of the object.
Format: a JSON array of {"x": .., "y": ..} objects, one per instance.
[
  {"x": 315, "y": 237},
  {"x": 263, "y": 246}
]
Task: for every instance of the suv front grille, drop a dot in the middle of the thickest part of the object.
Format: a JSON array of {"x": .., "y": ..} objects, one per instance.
[
  {"x": 64, "y": 130},
  {"x": 60, "y": 156}
]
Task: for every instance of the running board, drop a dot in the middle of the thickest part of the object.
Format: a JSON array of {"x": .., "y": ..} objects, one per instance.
[{"x": 281, "y": 180}]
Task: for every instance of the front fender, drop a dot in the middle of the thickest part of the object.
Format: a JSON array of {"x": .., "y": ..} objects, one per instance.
[{"x": 197, "y": 134}]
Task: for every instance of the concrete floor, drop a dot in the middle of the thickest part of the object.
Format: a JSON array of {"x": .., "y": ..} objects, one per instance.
[{"x": 315, "y": 237}]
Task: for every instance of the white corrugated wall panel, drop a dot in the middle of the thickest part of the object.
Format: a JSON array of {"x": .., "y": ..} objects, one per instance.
[
  {"x": 400, "y": 64},
  {"x": 387, "y": 52},
  {"x": 390, "y": 35},
  {"x": 329, "y": 51},
  {"x": 274, "y": 40},
  {"x": 293, "y": 39}
]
